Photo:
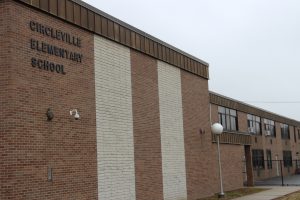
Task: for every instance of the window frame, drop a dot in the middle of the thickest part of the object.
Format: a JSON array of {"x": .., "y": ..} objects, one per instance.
[
  {"x": 287, "y": 158},
  {"x": 285, "y": 131},
  {"x": 258, "y": 159},
  {"x": 255, "y": 121},
  {"x": 270, "y": 125},
  {"x": 228, "y": 118}
]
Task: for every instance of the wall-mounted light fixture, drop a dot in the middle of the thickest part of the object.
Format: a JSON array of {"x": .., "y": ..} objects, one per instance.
[
  {"x": 201, "y": 131},
  {"x": 49, "y": 114},
  {"x": 75, "y": 113}
]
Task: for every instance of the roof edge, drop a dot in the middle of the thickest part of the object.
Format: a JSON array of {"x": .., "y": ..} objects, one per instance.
[
  {"x": 91, "y": 19},
  {"x": 218, "y": 99},
  {"x": 88, "y": 6}
]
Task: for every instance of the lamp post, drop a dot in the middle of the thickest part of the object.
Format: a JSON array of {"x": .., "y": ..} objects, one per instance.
[
  {"x": 277, "y": 168},
  {"x": 217, "y": 129}
]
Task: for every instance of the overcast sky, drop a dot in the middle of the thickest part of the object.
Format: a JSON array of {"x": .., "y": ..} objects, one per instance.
[{"x": 252, "y": 46}]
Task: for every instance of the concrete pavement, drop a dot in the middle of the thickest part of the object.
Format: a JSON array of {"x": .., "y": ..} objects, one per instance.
[{"x": 272, "y": 193}]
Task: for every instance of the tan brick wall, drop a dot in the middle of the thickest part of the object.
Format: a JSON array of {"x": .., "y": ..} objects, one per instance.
[
  {"x": 115, "y": 142},
  {"x": 31, "y": 143},
  {"x": 146, "y": 127},
  {"x": 171, "y": 132}
]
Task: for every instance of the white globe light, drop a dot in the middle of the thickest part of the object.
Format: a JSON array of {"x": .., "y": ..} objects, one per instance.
[{"x": 217, "y": 128}]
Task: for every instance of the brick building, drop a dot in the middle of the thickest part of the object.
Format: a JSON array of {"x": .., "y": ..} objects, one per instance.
[
  {"x": 145, "y": 112},
  {"x": 274, "y": 138}
]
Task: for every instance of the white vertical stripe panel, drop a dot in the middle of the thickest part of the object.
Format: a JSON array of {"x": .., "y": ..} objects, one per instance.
[
  {"x": 172, "y": 138},
  {"x": 115, "y": 144}
]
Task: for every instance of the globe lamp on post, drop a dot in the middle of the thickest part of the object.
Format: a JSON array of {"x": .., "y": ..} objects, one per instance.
[{"x": 217, "y": 129}]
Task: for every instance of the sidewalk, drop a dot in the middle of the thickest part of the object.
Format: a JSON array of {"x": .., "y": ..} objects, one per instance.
[{"x": 272, "y": 193}]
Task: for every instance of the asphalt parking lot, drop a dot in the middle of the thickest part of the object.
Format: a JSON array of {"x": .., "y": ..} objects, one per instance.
[{"x": 293, "y": 180}]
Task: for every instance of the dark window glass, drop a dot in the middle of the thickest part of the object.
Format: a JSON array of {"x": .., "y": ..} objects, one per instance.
[
  {"x": 298, "y": 134},
  {"x": 233, "y": 123},
  {"x": 228, "y": 118},
  {"x": 287, "y": 159},
  {"x": 269, "y": 159},
  {"x": 254, "y": 124},
  {"x": 228, "y": 124},
  {"x": 270, "y": 127},
  {"x": 258, "y": 159},
  {"x": 285, "y": 131}
]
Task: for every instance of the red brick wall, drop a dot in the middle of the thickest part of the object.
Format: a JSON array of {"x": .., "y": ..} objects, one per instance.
[
  {"x": 200, "y": 153},
  {"x": 146, "y": 127},
  {"x": 29, "y": 143},
  {"x": 214, "y": 113},
  {"x": 242, "y": 122},
  {"x": 6, "y": 101},
  {"x": 297, "y": 145},
  {"x": 232, "y": 166},
  {"x": 231, "y": 157},
  {"x": 277, "y": 145},
  {"x": 200, "y": 168}
]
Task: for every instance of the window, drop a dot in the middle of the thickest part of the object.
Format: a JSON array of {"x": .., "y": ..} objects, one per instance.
[
  {"x": 298, "y": 134},
  {"x": 270, "y": 127},
  {"x": 254, "y": 124},
  {"x": 258, "y": 159},
  {"x": 285, "y": 131},
  {"x": 269, "y": 158},
  {"x": 287, "y": 159},
  {"x": 228, "y": 118}
]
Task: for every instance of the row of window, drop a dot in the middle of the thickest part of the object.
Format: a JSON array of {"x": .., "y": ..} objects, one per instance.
[
  {"x": 259, "y": 162},
  {"x": 229, "y": 120}
]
